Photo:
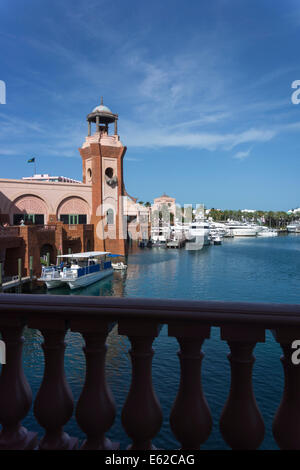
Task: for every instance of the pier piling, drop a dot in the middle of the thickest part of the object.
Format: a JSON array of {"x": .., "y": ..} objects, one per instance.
[
  {"x": 31, "y": 272},
  {"x": 19, "y": 286}
]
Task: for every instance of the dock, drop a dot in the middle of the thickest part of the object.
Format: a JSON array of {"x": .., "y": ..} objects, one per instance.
[
  {"x": 16, "y": 282},
  {"x": 176, "y": 243}
]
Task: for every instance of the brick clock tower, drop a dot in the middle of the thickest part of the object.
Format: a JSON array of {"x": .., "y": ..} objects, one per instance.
[{"x": 102, "y": 164}]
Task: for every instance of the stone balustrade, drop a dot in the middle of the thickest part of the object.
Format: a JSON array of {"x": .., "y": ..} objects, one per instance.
[{"x": 242, "y": 325}]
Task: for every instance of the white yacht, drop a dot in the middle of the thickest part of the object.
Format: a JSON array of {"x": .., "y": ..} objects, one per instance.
[
  {"x": 267, "y": 232},
  {"x": 238, "y": 229},
  {"x": 85, "y": 268},
  {"x": 295, "y": 227},
  {"x": 198, "y": 235}
]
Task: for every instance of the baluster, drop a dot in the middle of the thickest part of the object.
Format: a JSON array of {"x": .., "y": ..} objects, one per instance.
[
  {"x": 15, "y": 393},
  {"x": 141, "y": 415},
  {"x": 53, "y": 406},
  {"x": 241, "y": 423},
  {"x": 286, "y": 425},
  {"x": 190, "y": 419},
  {"x": 95, "y": 411}
]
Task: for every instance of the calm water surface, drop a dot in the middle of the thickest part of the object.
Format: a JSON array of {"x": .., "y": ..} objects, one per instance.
[{"x": 250, "y": 269}]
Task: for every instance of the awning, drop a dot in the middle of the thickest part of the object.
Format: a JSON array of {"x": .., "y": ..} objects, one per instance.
[
  {"x": 114, "y": 256},
  {"x": 87, "y": 254}
]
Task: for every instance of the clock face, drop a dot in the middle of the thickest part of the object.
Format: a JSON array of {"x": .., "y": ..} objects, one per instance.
[{"x": 109, "y": 172}]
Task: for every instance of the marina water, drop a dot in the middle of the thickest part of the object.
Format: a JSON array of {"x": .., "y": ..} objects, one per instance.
[{"x": 241, "y": 269}]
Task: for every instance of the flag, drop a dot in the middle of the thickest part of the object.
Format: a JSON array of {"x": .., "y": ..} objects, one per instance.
[{"x": 32, "y": 160}]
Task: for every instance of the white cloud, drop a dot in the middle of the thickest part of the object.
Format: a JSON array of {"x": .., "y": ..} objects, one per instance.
[
  {"x": 242, "y": 154},
  {"x": 135, "y": 135}
]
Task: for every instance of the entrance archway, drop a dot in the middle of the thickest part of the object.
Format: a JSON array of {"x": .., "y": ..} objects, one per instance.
[{"x": 45, "y": 249}]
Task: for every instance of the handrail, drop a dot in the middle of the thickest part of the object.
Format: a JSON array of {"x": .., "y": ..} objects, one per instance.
[
  {"x": 165, "y": 310},
  {"x": 242, "y": 326}
]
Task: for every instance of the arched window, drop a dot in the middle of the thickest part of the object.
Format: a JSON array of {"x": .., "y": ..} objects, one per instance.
[{"x": 110, "y": 217}]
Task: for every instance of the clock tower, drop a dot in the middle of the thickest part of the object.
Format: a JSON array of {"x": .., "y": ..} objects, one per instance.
[{"x": 102, "y": 165}]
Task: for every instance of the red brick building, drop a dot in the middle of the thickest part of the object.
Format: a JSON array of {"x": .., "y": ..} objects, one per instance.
[{"x": 62, "y": 214}]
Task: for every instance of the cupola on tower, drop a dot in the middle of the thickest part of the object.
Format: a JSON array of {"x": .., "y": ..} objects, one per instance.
[{"x": 102, "y": 165}]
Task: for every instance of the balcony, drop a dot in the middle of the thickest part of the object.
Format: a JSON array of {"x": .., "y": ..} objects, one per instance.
[{"x": 241, "y": 325}]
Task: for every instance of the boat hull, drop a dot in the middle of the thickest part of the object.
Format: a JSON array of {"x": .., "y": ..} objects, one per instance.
[
  {"x": 51, "y": 283},
  {"x": 244, "y": 232},
  {"x": 88, "y": 278},
  {"x": 293, "y": 228},
  {"x": 119, "y": 266},
  {"x": 268, "y": 234},
  {"x": 197, "y": 242}
]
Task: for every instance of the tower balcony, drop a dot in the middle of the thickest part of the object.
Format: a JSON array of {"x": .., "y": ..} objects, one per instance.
[
  {"x": 241, "y": 325},
  {"x": 103, "y": 139}
]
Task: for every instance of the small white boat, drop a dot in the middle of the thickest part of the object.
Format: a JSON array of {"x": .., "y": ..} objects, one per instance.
[
  {"x": 51, "y": 275},
  {"x": 85, "y": 268},
  {"x": 119, "y": 266},
  {"x": 217, "y": 240}
]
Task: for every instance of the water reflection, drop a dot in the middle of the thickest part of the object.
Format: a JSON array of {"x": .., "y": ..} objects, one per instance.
[{"x": 238, "y": 270}]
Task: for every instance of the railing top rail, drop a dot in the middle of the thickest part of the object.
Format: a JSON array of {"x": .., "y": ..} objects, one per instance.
[{"x": 268, "y": 315}]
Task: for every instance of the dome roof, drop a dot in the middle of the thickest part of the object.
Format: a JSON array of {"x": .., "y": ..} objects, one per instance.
[{"x": 102, "y": 108}]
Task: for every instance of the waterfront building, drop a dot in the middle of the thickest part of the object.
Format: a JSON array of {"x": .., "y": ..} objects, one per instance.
[
  {"x": 61, "y": 213},
  {"x": 164, "y": 201},
  {"x": 53, "y": 179},
  {"x": 138, "y": 219}
]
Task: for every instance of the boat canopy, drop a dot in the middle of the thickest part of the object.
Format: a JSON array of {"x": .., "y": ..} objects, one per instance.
[
  {"x": 87, "y": 254},
  {"x": 114, "y": 256}
]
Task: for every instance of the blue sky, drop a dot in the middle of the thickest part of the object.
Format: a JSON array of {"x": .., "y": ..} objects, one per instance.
[{"x": 202, "y": 89}]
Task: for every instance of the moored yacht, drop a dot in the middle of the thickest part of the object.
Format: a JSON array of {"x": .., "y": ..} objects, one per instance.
[
  {"x": 295, "y": 227},
  {"x": 198, "y": 235},
  {"x": 267, "y": 232},
  {"x": 160, "y": 235},
  {"x": 238, "y": 229},
  {"x": 85, "y": 268}
]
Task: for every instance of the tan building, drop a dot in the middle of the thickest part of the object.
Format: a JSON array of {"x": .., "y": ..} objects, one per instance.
[
  {"x": 163, "y": 210},
  {"x": 165, "y": 200}
]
